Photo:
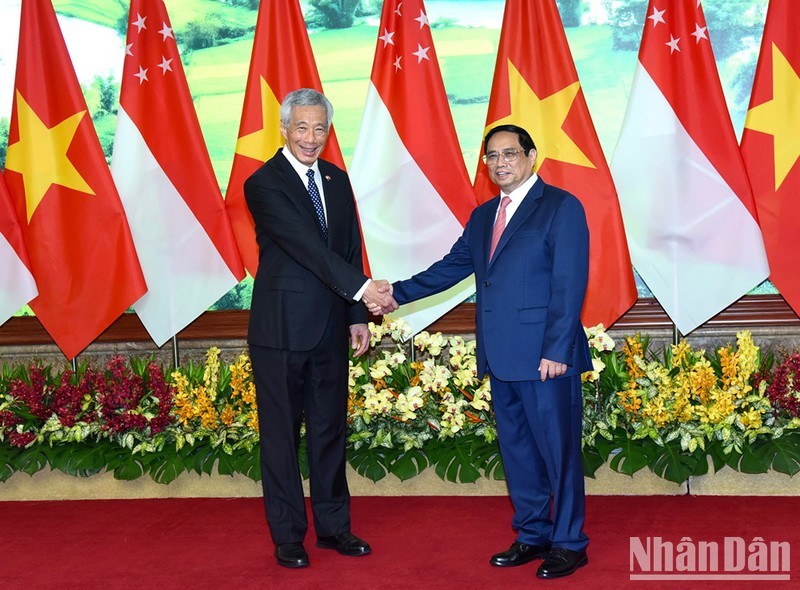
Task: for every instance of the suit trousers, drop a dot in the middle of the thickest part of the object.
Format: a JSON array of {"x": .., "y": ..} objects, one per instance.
[
  {"x": 539, "y": 430},
  {"x": 291, "y": 385}
]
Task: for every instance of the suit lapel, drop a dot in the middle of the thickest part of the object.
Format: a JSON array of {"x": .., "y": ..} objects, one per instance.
[
  {"x": 298, "y": 190},
  {"x": 525, "y": 209}
]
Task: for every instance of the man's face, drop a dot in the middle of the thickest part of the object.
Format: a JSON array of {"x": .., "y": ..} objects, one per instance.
[
  {"x": 508, "y": 175},
  {"x": 307, "y": 133}
]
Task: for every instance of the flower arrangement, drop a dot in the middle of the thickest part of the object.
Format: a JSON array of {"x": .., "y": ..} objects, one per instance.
[{"x": 413, "y": 404}]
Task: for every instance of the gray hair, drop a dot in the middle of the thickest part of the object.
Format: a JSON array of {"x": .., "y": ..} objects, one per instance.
[{"x": 304, "y": 97}]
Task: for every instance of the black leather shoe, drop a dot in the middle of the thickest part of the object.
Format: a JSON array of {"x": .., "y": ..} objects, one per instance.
[
  {"x": 561, "y": 562},
  {"x": 291, "y": 555},
  {"x": 345, "y": 543},
  {"x": 518, "y": 554}
]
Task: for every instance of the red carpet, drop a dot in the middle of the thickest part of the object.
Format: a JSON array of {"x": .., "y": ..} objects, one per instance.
[{"x": 418, "y": 542}]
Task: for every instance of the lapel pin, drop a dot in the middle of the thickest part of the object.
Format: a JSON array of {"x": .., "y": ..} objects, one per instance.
[{"x": 327, "y": 177}]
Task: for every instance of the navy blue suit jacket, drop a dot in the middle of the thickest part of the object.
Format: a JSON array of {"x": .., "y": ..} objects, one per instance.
[{"x": 530, "y": 296}]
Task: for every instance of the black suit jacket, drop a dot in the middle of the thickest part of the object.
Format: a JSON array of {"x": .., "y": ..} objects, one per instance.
[{"x": 302, "y": 283}]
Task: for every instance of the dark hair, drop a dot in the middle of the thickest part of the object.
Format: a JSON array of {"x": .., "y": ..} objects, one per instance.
[{"x": 525, "y": 140}]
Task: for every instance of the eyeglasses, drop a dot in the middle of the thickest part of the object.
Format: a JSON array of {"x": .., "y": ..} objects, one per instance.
[{"x": 508, "y": 156}]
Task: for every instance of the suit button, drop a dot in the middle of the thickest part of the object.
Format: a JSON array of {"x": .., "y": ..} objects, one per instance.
[{"x": 486, "y": 283}]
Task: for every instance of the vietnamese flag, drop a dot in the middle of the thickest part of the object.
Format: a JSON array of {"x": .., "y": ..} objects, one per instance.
[
  {"x": 771, "y": 146},
  {"x": 282, "y": 61},
  {"x": 685, "y": 196},
  {"x": 164, "y": 175},
  {"x": 73, "y": 223},
  {"x": 536, "y": 87},
  {"x": 17, "y": 286},
  {"x": 412, "y": 188}
]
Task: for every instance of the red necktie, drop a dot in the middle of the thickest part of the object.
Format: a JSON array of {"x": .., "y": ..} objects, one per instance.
[{"x": 499, "y": 225}]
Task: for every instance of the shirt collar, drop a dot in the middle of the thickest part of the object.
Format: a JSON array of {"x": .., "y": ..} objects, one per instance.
[
  {"x": 519, "y": 193},
  {"x": 299, "y": 167}
]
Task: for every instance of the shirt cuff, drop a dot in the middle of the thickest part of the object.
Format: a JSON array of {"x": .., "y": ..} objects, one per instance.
[{"x": 360, "y": 293}]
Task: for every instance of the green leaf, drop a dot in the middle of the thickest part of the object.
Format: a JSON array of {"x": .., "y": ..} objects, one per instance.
[
  {"x": 673, "y": 464},
  {"x": 782, "y": 454},
  {"x": 129, "y": 470},
  {"x": 631, "y": 456},
  {"x": 592, "y": 461},
  {"x": 455, "y": 462},
  {"x": 718, "y": 457},
  {"x": 167, "y": 470},
  {"x": 409, "y": 464},
  {"x": 370, "y": 463},
  {"x": 755, "y": 463},
  {"x": 31, "y": 460}
]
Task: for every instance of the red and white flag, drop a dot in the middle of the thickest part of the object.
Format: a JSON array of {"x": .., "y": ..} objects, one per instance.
[
  {"x": 17, "y": 286},
  {"x": 164, "y": 175},
  {"x": 686, "y": 200},
  {"x": 282, "y": 61},
  {"x": 73, "y": 223},
  {"x": 771, "y": 145},
  {"x": 412, "y": 188},
  {"x": 536, "y": 86}
]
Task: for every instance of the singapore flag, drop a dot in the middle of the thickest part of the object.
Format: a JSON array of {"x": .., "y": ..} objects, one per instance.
[
  {"x": 17, "y": 286},
  {"x": 413, "y": 191},
  {"x": 686, "y": 201},
  {"x": 166, "y": 182}
]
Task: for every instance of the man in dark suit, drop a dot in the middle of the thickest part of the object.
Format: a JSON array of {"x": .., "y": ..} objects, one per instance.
[
  {"x": 529, "y": 251},
  {"x": 305, "y": 304}
]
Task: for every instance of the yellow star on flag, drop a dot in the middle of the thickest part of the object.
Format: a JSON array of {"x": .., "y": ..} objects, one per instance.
[
  {"x": 261, "y": 144},
  {"x": 780, "y": 117},
  {"x": 40, "y": 155},
  {"x": 543, "y": 118}
]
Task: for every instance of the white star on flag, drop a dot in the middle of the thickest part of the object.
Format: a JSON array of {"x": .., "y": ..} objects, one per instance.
[
  {"x": 422, "y": 19},
  {"x": 699, "y": 33},
  {"x": 164, "y": 65},
  {"x": 421, "y": 53},
  {"x": 673, "y": 44},
  {"x": 128, "y": 49},
  {"x": 166, "y": 32},
  {"x": 139, "y": 23},
  {"x": 142, "y": 75},
  {"x": 397, "y": 65},
  {"x": 657, "y": 16},
  {"x": 387, "y": 38}
]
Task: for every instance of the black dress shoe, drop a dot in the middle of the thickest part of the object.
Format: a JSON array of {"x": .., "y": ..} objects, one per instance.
[
  {"x": 518, "y": 554},
  {"x": 345, "y": 543},
  {"x": 291, "y": 555},
  {"x": 561, "y": 562}
]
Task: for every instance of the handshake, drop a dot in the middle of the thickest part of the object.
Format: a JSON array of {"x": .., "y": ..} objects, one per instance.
[{"x": 378, "y": 297}]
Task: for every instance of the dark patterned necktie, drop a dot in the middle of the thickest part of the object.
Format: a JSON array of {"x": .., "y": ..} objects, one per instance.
[{"x": 313, "y": 192}]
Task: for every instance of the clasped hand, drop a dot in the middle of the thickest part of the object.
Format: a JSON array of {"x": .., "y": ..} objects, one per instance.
[{"x": 378, "y": 297}]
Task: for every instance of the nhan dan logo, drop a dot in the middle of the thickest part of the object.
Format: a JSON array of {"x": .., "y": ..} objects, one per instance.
[{"x": 732, "y": 558}]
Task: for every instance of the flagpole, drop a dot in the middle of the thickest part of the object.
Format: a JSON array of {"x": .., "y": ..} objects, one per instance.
[
  {"x": 175, "y": 357},
  {"x": 676, "y": 334}
]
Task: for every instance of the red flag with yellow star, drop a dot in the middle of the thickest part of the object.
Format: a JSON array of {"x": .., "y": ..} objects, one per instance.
[
  {"x": 282, "y": 61},
  {"x": 73, "y": 223},
  {"x": 771, "y": 146},
  {"x": 536, "y": 86}
]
